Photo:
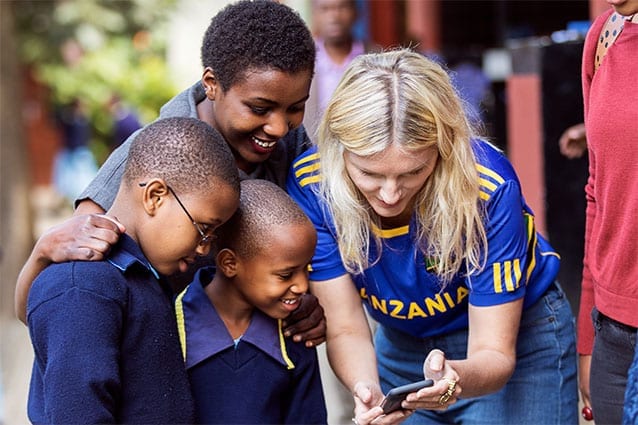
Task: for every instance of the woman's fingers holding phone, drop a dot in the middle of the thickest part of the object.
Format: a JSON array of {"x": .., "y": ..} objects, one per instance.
[{"x": 437, "y": 397}]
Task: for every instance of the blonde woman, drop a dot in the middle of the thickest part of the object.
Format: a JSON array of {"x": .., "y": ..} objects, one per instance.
[{"x": 426, "y": 226}]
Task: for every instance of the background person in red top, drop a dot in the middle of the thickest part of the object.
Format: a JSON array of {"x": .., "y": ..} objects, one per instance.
[{"x": 610, "y": 273}]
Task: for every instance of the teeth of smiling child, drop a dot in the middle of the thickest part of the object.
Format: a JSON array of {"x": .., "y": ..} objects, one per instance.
[
  {"x": 263, "y": 144},
  {"x": 289, "y": 301}
]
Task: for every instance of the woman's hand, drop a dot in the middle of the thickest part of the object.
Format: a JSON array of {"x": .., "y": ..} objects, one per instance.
[
  {"x": 584, "y": 368},
  {"x": 445, "y": 390},
  {"x": 367, "y": 409},
  {"x": 573, "y": 141},
  {"x": 81, "y": 237},
  {"x": 307, "y": 323}
]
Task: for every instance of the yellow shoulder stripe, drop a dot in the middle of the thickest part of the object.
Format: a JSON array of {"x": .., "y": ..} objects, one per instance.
[
  {"x": 489, "y": 182},
  {"x": 490, "y": 173},
  {"x": 307, "y": 169},
  {"x": 308, "y": 158}
]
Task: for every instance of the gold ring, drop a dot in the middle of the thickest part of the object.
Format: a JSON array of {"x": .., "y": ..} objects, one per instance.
[{"x": 445, "y": 397}]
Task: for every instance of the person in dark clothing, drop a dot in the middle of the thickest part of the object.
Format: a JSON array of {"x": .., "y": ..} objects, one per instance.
[
  {"x": 230, "y": 317},
  {"x": 125, "y": 121},
  {"x": 74, "y": 165},
  {"x": 104, "y": 333}
]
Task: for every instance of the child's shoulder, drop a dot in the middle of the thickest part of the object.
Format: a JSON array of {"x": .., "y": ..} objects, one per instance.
[{"x": 99, "y": 277}]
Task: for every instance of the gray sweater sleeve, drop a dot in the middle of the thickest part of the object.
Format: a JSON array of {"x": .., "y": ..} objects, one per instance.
[{"x": 104, "y": 187}]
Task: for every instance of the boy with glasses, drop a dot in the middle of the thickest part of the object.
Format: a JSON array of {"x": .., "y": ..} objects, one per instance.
[{"x": 103, "y": 332}]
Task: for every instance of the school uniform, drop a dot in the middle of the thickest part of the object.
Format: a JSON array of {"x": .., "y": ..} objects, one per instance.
[
  {"x": 106, "y": 344},
  {"x": 260, "y": 378}
]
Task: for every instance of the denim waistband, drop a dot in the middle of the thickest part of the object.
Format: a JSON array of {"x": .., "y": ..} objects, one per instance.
[{"x": 626, "y": 328}]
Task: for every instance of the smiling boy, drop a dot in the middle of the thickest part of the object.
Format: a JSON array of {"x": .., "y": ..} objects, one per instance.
[
  {"x": 241, "y": 368},
  {"x": 104, "y": 332}
]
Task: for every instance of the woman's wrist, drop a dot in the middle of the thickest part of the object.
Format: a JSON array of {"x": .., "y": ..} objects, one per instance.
[{"x": 41, "y": 253}]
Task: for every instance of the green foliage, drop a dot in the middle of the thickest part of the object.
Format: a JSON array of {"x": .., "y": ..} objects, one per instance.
[{"x": 90, "y": 50}]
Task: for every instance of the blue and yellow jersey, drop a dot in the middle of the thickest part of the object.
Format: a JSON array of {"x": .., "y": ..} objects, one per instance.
[{"x": 400, "y": 289}]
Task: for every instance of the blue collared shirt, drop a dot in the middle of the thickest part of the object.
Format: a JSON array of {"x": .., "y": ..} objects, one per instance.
[{"x": 264, "y": 378}]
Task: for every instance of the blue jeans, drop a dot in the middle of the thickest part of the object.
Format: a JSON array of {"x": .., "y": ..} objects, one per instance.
[
  {"x": 542, "y": 390},
  {"x": 614, "y": 346},
  {"x": 630, "y": 413}
]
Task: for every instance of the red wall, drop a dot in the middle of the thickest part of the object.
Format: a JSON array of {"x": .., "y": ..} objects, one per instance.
[{"x": 42, "y": 138}]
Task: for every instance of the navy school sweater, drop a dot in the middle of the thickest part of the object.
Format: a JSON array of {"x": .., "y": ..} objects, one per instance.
[{"x": 106, "y": 344}]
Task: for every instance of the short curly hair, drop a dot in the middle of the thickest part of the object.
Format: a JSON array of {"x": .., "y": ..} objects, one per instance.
[
  {"x": 256, "y": 34},
  {"x": 263, "y": 207},
  {"x": 187, "y": 153}
]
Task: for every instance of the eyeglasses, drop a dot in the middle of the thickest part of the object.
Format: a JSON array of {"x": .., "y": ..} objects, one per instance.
[{"x": 205, "y": 238}]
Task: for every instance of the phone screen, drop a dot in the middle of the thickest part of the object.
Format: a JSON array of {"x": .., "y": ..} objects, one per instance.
[{"x": 395, "y": 396}]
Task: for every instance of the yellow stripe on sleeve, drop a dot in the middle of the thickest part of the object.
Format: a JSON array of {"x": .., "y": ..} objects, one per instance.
[
  {"x": 307, "y": 180},
  {"x": 496, "y": 271},
  {"x": 517, "y": 271},
  {"x": 509, "y": 284},
  {"x": 307, "y": 169},
  {"x": 488, "y": 184},
  {"x": 483, "y": 170},
  {"x": 308, "y": 158}
]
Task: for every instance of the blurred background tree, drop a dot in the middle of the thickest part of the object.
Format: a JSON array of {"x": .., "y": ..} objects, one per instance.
[
  {"x": 52, "y": 52},
  {"x": 74, "y": 49},
  {"x": 91, "y": 50}
]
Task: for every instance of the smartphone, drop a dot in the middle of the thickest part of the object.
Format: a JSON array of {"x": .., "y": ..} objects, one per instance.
[{"x": 395, "y": 396}]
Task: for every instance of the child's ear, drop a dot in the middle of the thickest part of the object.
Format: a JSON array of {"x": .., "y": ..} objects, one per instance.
[
  {"x": 226, "y": 261},
  {"x": 210, "y": 83},
  {"x": 155, "y": 193}
]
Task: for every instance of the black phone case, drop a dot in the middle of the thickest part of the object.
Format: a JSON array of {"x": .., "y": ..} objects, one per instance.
[{"x": 395, "y": 396}]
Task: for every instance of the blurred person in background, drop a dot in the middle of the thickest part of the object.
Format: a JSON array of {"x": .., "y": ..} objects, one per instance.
[
  {"x": 333, "y": 22},
  {"x": 74, "y": 166},
  {"x": 473, "y": 87},
  {"x": 573, "y": 141},
  {"x": 125, "y": 121}
]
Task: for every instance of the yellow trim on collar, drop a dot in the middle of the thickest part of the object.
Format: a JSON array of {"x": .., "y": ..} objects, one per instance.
[
  {"x": 181, "y": 326},
  {"x": 282, "y": 345},
  {"x": 390, "y": 233}
]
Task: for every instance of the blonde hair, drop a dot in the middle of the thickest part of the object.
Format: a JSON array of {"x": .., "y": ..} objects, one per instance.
[{"x": 399, "y": 97}]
